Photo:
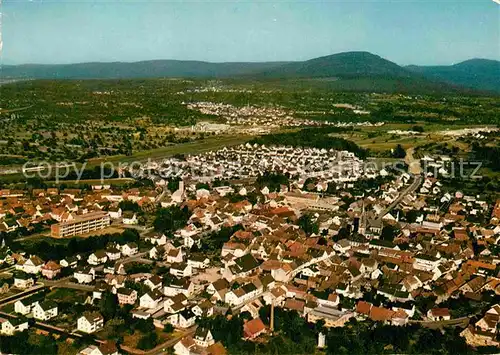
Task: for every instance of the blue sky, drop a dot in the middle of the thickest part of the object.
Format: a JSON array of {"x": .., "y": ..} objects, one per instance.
[{"x": 406, "y": 32}]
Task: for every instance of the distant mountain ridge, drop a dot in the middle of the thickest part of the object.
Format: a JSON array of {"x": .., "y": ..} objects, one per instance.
[
  {"x": 143, "y": 69},
  {"x": 483, "y": 74},
  {"x": 478, "y": 74},
  {"x": 347, "y": 64}
]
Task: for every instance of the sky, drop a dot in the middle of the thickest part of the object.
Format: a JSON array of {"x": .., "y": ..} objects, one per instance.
[{"x": 422, "y": 32}]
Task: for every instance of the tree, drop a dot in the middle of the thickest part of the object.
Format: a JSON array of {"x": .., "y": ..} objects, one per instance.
[
  {"x": 148, "y": 341},
  {"x": 108, "y": 305},
  {"x": 173, "y": 184},
  {"x": 399, "y": 152},
  {"x": 168, "y": 328},
  {"x": 170, "y": 219},
  {"x": 389, "y": 233},
  {"x": 307, "y": 224}
]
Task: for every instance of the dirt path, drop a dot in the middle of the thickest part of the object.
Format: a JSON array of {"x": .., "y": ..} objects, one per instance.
[{"x": 414, "y": 166}]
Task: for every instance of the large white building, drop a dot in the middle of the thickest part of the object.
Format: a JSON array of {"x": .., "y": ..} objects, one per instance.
[{"x": 80, "y": 225}]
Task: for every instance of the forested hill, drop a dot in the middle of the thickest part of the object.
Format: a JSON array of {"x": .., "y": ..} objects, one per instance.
[{"x": 360, "y": 71}]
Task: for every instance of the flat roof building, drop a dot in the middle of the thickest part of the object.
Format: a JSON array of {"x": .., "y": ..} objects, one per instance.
[{"x": 81, "y": 225}]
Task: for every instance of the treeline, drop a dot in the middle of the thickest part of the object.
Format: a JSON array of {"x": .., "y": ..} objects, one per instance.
[
  {"x": 314, "y": 138},
  {"x": 215, "y": 241},
  {"x": 487, "y": 154},
  {"x": 294, "y": 335},
  {"x": 170, "y": 219},
  {"x": 7, "y": 160},
  {"x": 29, "y": 342},
  {"x": 59, "y": 249}
]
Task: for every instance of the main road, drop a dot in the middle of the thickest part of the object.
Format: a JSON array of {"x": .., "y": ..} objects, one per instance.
[{"x": 410, "y": 189}]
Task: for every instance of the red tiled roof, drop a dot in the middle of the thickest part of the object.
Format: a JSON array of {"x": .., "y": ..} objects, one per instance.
[
  {"x": 363, "y": 307},
  {"x": 253, "y": 328}
]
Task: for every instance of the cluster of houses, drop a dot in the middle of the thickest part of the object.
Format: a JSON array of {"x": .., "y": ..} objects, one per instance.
[
  {"x": 271, "y": 116},
  {"x": 442, "y": 243},
  {"x": 249, "y": 160},
  {"x": 70, "y": 212}
]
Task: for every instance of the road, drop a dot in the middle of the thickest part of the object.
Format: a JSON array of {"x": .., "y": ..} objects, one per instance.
[
  {"x": 67, "y": 284},
  {"x": 410, "y": 189},
  {"x": 14, "y": 298},
  {"x": 162, "y": 348},
  {"x": 462, "y": 322},
  {"x": 414, "y": 166},
  {"x": 52, "y": 329}
]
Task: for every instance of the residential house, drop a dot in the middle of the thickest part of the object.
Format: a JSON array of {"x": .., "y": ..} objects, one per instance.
[
  {"x": 181, "y": 269},
  {"x": 126, "y": 295},
  {"x": 90, "y": 322},
  {"x": 71, "y": 262},
  {"x": 198, "y": 261},
  {"x": 33, "y": 265},
  {"x": 23, "y": 281},
  {"x": 22, "y": 306},
  {"x": 51, "y": 269},
  {"x": 184, "y": 319},
  {"x": 438, "y": 314},
  {"x": 218, "y": 289},
  {"x": 129, "y": 218},
  {"x": 44, "y": 310},
  {"x": 113, "y": 253},
  {"x": 242, "y": 267},
  {"x": 130, "y": 249},
  {"x": 84, "y": 275},
  {"x": 150, "y": 299},
  {"x": 203, "y": 309},
  {"x": 253, "y": 328},
  {"x": 13, "y": 325},
  {"x": 107, "y": 348},
  {"x": 154, "y": 282},
  {"x": 97, "y": 258},
  {"x": 203, "y": 337},
  {"x": 175, "y": 255},
  {"x": 177, "y": 286}
]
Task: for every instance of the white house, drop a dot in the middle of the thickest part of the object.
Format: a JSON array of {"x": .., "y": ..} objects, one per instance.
[
  {"x": 130, "y": 249},
  {"x": 97, "y": 258},
  {"x": 438, "y": 314},
  {"x": 113, "y": 253},
  {"x": 11, "y": 326},
  {"x": 150, "y": 299},
  {"x": 181, "y": 270},
  {"x": 157, "y": 239},
  {"x": 33, "y": 265},
  {"x": 23, "y": 281},
  {"x": 90, "y": 322},
  {"x": 177, "y": 286},
  {"x": 185, "y": 346},
  {"x": 69, "y": 262},
  {"x": 126, "y": 295},
  {"x": 115, "y": 212},
  {"x": 175, "y": 256},
  {"x": 198, "y": 261},
  {"x": 183, "y": 319},
  {"x": 241, "y": 295},
  {"x": 203, "y": 337},
  {"x": 45, "y": 310},
  {"x": 154, "y": 282},
  {"x": 22, "y": 307},
  {"x": 203, "y": 309},
  {"x": 84, "y": 275}
]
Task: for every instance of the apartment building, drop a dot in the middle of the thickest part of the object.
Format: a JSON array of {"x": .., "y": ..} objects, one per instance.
[{"x": 81, "y": 225}]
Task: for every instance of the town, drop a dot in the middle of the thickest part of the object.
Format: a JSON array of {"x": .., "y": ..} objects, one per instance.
[{"x": 232, "y": 242}]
